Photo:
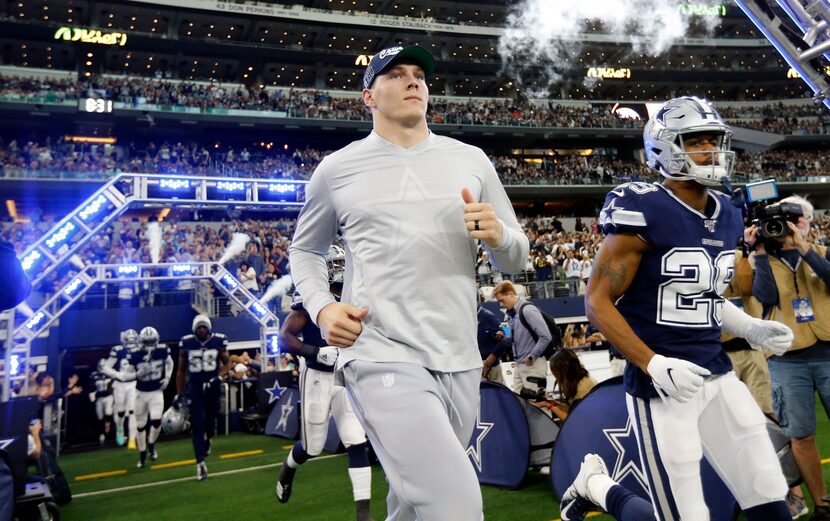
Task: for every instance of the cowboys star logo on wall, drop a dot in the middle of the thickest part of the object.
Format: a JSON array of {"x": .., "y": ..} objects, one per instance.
[
  {"x": 474, "y": 450},
  {"x": 287, "y": 408},
  {"x": 624, "y": 465},
  {"x": 274, "y": 392}
]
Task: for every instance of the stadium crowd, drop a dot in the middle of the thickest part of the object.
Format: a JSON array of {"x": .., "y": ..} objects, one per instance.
[
  {"x": 90, "y": 161},
  {"x": 550, "y": 268},
  {"x": 136, "y": 92}
]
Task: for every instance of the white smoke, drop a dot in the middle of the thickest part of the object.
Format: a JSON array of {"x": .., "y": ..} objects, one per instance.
[
  {"x": 77, "y": 261},
  {"x": 277, "y": 288},
  {"x": 236, "y": 247},
  {"x": 546, "y": 34},
  {"x": 154, "y": 237}
]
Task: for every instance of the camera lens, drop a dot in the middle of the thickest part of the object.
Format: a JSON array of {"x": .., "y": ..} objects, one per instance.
[{"x": 774, "y": 228}]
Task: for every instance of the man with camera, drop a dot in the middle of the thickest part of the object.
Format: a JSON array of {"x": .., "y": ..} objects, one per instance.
[{"x": 791, "y": 281}]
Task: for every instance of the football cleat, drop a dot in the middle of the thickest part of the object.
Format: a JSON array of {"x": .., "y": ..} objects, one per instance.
[
  {"x": 284, "y": 482},
  {"x": 201, "y": 471},
  {"x": 119, "y": 437},
  {"x": 576, "y": 501},
  {"x": 131, "y": 445},
  {"x": 151, "y": 450}
]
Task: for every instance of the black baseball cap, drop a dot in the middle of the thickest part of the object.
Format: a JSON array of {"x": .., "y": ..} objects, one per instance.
[{"x": 385, "y": 58}]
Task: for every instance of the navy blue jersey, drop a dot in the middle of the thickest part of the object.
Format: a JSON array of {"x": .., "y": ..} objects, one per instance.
[
  {"x": 102, "y": 384},
  {"x": 203, "y": 358},
  {"x": 121, "y": 358},
  {"x": 673, "y": 303},
  {"x": 150, "y": 367}
]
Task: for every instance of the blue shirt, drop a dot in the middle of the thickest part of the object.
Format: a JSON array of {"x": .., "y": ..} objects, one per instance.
[
  {"x": 488, "y": 325},
  {"x": 673, "y": 303}
]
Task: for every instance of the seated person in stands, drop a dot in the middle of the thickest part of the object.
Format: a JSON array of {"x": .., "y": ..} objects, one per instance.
[{"x": 573, "y": 380}]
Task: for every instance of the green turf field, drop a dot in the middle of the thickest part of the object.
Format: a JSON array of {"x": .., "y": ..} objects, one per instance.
[{"x": 242, "y": 487}]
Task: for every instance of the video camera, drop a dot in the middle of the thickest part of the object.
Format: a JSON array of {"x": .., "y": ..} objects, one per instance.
[{"x": 770, "y": 217}]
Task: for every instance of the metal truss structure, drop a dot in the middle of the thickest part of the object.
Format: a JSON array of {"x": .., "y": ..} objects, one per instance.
[
  {"x": 799, "y": 31},
  {"x": 16, "y": 366},
  {"x": 126, "y": 191}
]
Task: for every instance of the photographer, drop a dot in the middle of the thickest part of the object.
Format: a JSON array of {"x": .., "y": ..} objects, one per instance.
[{"x": 791, "y": 282}]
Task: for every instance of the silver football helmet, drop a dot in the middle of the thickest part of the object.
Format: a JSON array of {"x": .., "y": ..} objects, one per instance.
[
  {"x": 680, "y": 119},
  {"x": 148, "y": 338},
  {"x": 129, "y": 338},
  {"x": 336, "y": 262},
  {"x": 174, "y": 421}
]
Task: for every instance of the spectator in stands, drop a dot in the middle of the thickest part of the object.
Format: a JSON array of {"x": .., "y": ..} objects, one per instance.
[
  {"x": 573, "y": 272},
  {"x": 247, "y": 276}
]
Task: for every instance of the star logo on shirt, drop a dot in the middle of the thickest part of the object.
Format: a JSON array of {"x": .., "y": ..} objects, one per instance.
[
  {"x": 420, "y": 217},
  {"x": 286, "y": 411},
  {"x": 624, "y": 465},
  {"x": 605, "y": 216},
  {"x": 474, "y": 450},
  {"x": 274, "y": 392}
]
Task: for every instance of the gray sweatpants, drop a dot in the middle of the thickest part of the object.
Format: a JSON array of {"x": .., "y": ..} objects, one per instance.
[{"x": 419, "y": 422}]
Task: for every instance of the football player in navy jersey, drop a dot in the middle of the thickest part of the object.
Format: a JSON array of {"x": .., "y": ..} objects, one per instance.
[
  {"x": 102, "y": 397},
  {"x": 322, "y": 397},
  {"x": 203, "y": 361},
  {"x": 119, "y": 367},
  {"x": 154, "y": 367},
  {"x": 655, "y": 293}
]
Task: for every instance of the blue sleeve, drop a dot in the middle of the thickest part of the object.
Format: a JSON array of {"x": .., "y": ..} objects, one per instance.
[
  {"x": 763, "y": 285},
  {"x": 537, "y": 323},
  {"x": 819, "y": 264},
  {"x": 625, "y": 211}
]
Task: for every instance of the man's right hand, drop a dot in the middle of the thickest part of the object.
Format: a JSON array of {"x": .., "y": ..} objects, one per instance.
[
  {"x": 676, "y": 378},
  {"x": 340, "y": 323},
  {"x": 751, "y": 239}
]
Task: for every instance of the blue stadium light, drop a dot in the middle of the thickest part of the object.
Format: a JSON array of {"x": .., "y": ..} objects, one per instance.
[
  {"x": 174, "y": 184},
  {"x": 282, "y": 188},
  {"x": 182, "y": 269},
  {"x": 258, "y": 310},
  {"x": 127, "y": 270},
  {"x": 36, "y": 321},
  {"x": 229, "y": 281},
  {"x": 31, "y": 260},
  {"x": 15, "y": 364},
  {"x": 72, "y": 288},
  {"x": 92, "y": 209},
  {"x": 58, "y": 238},
  {"x": 272, "y": 343},
  {"x": 231, "y": 187}
]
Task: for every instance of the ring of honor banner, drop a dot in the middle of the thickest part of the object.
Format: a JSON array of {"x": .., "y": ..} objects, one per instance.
[
  {"x": 284, "y": 419},
  {"x": 600, "y": 424},
  {"x": 500, "y": 445}
]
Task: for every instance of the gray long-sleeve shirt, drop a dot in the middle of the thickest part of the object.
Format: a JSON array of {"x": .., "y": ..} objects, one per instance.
[
  {"x": 409, "y": 257},
  {"x": 523, "y": 343}
]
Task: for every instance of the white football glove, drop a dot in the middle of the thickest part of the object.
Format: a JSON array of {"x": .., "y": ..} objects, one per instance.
[
  {"x": 770, "y": 335},
  {"x": 327, "y": 355},
  {"x": 761, "y": 334},
  {"x": 676, "y": 378}
]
